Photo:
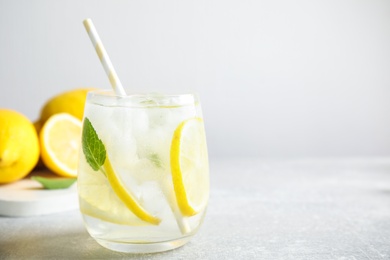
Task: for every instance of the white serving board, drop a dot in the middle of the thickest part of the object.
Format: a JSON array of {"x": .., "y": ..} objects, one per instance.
[{"x": 27, "y": 197}]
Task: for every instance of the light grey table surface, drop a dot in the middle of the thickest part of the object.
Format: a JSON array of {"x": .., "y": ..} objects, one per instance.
[{"x": 302, "y": 209}]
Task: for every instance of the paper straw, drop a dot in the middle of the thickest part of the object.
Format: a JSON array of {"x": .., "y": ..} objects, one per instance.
[{"x": 104, "y": 59}]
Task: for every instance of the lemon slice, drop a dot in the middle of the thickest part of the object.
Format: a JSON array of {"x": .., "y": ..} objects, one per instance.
[
  {"x": 189, "y": 166},
  {"x": 97, "y": 199},
  {"x": 60, "y": 142},
  {"x": 102, "y": 188},
  {"x": 105, "y": 197},
  {"x": 126, "y": 196}
]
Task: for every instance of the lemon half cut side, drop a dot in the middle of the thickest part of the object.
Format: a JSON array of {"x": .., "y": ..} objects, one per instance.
[
  {"x": 60, "y": 140},
  {"x": 189, "y": 166}
]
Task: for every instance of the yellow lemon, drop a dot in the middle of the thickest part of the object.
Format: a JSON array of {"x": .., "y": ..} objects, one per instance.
[
  {"x": 189, "y": 166},
  {"x": 71, "y": 102},
  {"x": 19, "y": 146},
  {"x": 60, "y": 139}
]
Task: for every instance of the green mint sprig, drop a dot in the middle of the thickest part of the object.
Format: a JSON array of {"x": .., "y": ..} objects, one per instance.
[{"x": 93, "y": 147}]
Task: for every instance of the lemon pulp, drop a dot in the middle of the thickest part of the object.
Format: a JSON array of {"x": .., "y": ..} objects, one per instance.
[{"x": 60, "y": 143}]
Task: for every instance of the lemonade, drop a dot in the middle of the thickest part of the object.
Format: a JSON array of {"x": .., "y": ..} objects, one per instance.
[{"x": 143, "y": 175}]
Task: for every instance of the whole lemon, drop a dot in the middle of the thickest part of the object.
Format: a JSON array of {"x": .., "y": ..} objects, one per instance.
[
  {"x": 71, "y": 102},
  {"x": 19, "y": 146}
]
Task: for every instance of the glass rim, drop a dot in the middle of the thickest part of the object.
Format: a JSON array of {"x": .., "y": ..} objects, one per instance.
[{"x": 107, "y": 97}]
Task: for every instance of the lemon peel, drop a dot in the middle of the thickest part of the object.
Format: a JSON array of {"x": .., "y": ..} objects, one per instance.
[
  {"x": 189, "y": 166},
  {"x": 19, "y": 146}
]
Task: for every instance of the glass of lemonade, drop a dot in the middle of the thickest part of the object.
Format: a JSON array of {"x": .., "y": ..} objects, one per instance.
[{"x": 143, "y": 176}]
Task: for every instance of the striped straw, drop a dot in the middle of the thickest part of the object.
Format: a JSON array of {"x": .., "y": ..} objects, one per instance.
[{"x": 104, "y": 59}]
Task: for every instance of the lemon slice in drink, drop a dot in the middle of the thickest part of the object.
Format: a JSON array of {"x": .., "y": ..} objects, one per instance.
[
  {"x": 189, "y": 166},
  {"x": 60, "y": 142},
  {"x": 101, "y": 187},
  {"x": 99, "y": 198},
  {"x": 126, "y": 196}
]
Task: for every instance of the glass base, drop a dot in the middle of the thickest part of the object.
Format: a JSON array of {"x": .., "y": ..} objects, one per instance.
[{"x": 139, "y": 248}]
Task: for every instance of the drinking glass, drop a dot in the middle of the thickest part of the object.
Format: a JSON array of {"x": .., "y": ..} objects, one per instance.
[{"x": 143, "y": 174}]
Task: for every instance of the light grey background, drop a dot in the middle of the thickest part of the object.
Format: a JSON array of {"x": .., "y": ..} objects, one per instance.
[{"x": 276, "y": 78}]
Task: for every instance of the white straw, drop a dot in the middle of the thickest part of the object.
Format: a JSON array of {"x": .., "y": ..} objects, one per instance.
[{"x": 104, "y": 59}]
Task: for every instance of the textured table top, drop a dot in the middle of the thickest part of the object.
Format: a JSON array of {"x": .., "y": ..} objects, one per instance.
[{"x": 302, "y": 209}]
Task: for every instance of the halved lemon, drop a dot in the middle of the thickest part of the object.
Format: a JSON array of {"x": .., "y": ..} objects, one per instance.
[
  {"x": 189, "y": 166},
  {"x": 60, "y": 139}
]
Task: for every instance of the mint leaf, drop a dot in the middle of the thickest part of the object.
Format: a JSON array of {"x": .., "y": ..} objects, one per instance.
[
  {"x": 155, "y": 159},
  {"x": 93, "y": 147},
  {"x": 54, "y": 183}
]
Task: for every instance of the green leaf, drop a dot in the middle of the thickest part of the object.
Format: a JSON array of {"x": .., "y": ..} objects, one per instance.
[
  {"x": 155, "y": 159},
  {"x": 54, "y": 183},
  {"x": 93, "y": 147}
]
